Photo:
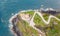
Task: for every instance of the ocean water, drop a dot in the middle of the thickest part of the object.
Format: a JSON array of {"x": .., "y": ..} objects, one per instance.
[{"x": 10, "y": 7}]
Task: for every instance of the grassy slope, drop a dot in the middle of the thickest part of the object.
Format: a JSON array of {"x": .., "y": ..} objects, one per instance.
[
  {"x": 25, "y": 28},
  {"x": 50, "y": 30},
  {"x": 53, "y": 29}
]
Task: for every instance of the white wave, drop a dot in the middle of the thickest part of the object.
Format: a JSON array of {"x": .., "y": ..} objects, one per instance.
[
  {"x": 49, "y": 9},
  {"x": 10, "y": 20},
  {"x": 2, "y": 20},
  {"x": 12, "y": 14},
  {"x": 26, "y": 10}
]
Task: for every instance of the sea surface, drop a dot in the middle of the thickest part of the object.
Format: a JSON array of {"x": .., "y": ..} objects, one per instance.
[{"x": 11, "y": 7}]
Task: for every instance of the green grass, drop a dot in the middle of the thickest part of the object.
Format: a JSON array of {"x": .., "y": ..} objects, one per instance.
[
  {"x": 54, "y": 28},
  {"x": 38, "y": 20},
  {"x": 26, "y": 29},
  {"x": 29, "y": 12},
  {"x": 46, "y": 16},
  {"x": 58, "y": 16}
]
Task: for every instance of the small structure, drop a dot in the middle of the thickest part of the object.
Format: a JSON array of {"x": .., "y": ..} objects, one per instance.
[{"x": 25, "y": 16}]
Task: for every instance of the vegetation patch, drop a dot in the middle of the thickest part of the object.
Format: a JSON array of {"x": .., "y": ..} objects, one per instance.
[
  {"x": 26, "y": 29},
  {"x": 46, "y": 16},
  {"x": 38, "y": 20}
]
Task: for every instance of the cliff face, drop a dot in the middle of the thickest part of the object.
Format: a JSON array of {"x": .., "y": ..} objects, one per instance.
[{"x": 15, "y": 28}]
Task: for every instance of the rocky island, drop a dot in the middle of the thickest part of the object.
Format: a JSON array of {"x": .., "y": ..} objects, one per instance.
[{"x": 36, "y": 23}]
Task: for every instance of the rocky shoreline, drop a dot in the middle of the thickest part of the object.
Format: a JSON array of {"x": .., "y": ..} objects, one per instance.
[{"x": 14, "y": 28}]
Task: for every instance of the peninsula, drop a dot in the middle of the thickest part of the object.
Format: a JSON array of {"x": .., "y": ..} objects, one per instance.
[{"x": 43, "y": 22}]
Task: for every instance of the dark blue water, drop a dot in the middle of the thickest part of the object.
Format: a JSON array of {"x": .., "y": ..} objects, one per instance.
[{"x": 7, "y": 7}]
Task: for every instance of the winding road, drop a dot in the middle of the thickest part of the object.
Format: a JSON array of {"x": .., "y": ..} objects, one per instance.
[
  {"x": 49, "y": 19},
  {"x": 31, "y": 23}
]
